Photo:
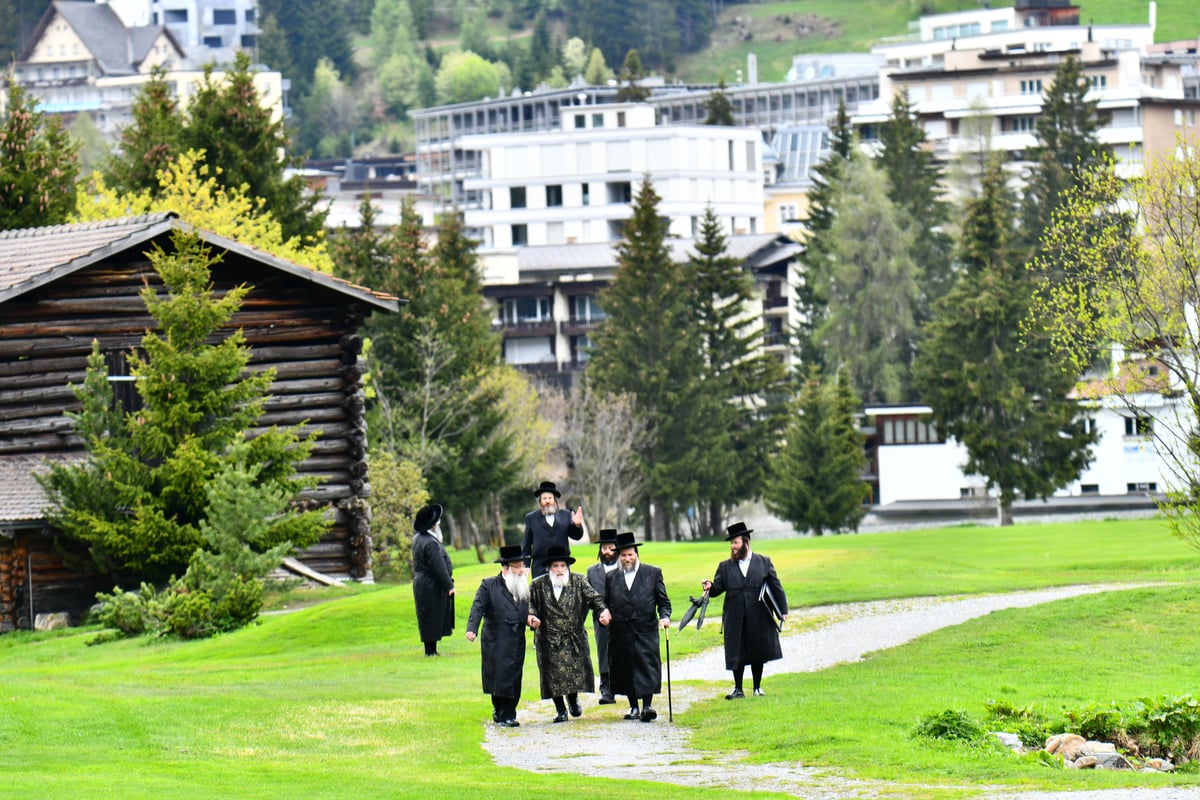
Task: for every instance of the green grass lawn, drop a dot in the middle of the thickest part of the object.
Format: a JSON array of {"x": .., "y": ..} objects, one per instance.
[{"x": 336, "y": 699}]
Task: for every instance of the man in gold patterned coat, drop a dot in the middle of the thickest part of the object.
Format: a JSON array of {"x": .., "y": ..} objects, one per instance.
[{"x": 559, "y": 603}]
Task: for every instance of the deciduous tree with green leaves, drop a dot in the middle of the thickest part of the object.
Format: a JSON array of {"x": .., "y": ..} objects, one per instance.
[
  {"x": 38, "y": 165},
  {"x": 816, "y": 479},
  {"x": 1000, "y": 392},
  {"x": 143, "y": 500}
]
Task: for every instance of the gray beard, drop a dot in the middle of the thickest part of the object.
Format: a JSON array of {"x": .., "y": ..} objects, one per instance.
[
  {"x": 517, "y": 587},
  {"x": 560, "y": 581}
]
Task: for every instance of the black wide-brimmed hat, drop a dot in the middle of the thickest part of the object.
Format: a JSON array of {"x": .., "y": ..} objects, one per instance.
[
  {"x": 625, "y": 540},
  {"x": 509, "y": 553},
  {"x": 607, "y": 536},
  {"x": 547, "y": 486},
  {"x": 557, "y": 553},
  {"x": 737, "y": 529},
  {"x": 427, "y": 517}
]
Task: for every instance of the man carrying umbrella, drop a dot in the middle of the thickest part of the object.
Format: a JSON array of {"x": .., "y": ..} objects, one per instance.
[
  {"x": 502, "y": 605},
  {"x": 637, "y": 598},
  {"x": 749, "y": 583}
]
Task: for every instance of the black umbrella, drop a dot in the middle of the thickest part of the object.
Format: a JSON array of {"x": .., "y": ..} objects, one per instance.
[
  {"x": 767, "y": 598},
  {"x": 699, "y": 604}
]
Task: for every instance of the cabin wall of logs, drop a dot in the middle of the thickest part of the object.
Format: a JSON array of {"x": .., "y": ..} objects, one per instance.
[{"x": 307, "y": 333}]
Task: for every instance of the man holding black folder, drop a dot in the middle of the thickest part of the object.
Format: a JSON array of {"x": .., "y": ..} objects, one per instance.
[{"x": 754, "y": 612}]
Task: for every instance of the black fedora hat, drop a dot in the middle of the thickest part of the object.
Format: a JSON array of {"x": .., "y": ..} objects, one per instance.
[
  {"x": 557, "y": 553},
  {"x": 547, "y": 486},
  {"x": 427, "y": 517},
  {"x": 509, "y": 553},
  {"x": 625, "y": 540},
  {"x": 737, "y": 529},
  {"x": 607, "y": 536}
]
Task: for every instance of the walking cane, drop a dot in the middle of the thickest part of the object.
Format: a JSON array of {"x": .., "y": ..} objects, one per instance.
[{"x": 670, "y": 711}]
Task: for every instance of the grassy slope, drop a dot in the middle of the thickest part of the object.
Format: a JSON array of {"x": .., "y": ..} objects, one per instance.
[{"x": 336, "y": 700}]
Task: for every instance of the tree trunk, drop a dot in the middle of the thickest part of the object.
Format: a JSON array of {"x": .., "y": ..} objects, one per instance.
[{"x": 1005, "y": 508}]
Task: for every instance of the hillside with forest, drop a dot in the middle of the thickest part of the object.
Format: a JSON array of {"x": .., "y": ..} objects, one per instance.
[{"x": 357, "y": 67}]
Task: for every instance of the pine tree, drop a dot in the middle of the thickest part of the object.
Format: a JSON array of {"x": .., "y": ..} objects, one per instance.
[
  {"x": 631, "y": 91},
  {"x": 719, "y": 107},
  {"x": 810, "y": 304},
  {"x": 159, "y": 463},
  {"x": 38, "y": 165},
  {"x": 999, "y": 393},
  {"x": 151, "y": 142},
  {"x": 1067, "y": 146},
  {"x": 746, "y": 383},
  {"x": 914, "y": 179},
  {"x": 227, "y": 120},
  {"x": 648, "y": 347},
  {"x": 816, "y": 479}
]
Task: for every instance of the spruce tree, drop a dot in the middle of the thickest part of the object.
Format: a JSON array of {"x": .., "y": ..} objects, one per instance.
[
  {"x": 631, "y": 91},
  {"x": 718, "y": 107},
  {"x": 38, "y": 165},
  {"x": 1000, "y": 393},
  {"x": 159, "y": 463},
  {"x": 816, "y": 480},
  {"x": 151, "y": 142},
  {"x": 648, "y": 347},
  {"x": 746, "y": 383}
]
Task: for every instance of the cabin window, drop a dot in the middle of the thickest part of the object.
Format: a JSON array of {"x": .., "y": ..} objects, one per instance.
[{"x": 125, "y": 394}]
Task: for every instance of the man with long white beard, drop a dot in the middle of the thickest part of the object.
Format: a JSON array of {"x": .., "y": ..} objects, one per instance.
[
  {"x": 637, "y": 597},
  {"x": 502, "y": 604},
  {"x": 751, "y": 637},
  {"x": 559, "y": 602},
  {"x": 596, "y": 574},
  {"x": 548, "y": 526}
]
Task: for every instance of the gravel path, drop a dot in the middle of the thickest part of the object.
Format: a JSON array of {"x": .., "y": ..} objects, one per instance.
[{"x": 601, "y": 744}]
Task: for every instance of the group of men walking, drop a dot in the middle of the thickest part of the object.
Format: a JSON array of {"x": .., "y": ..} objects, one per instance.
[{"x": 628, "y": 602}]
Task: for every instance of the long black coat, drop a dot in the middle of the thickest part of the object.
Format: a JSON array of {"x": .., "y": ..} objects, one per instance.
[
  {"x": 595, "y": 577},
  {"x": 432, "y": 582},
  {"x": 502, "y": 643},
  {"x": 635, "y": 667},
  {"x": 564, "y": 661},
  {"x": 749, "y": 628},
  {"x": 540, "y": 537}
]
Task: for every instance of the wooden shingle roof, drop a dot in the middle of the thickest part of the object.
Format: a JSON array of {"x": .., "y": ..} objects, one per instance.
[{"x": 22, "y": 501}]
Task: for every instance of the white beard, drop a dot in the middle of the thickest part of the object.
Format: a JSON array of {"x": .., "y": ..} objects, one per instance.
[
  {"x": 560, "y": 581},
  {"x": 436, "y": 532},
  {"x": 517, "y": 587}
]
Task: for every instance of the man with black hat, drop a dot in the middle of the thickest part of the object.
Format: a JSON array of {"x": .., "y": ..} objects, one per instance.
[
  {"x": 433, "y": 584},
  {"x": 748, "y": 618},
  {"x": 549, "y": 525},
  {"x": 596, "y": 574},
  {"x": 559, "y": 602},
  {"x": 502, "y": 605},
  {"x": 637, "y": 597}
]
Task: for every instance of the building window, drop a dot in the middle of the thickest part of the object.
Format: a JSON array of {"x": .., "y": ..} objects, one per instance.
[
  {"x": 175, "y": 15},
  {"x": 620, "y": 119},
  {"x": 787, "y": 213},
  {"x": 212, "y": 41},
  {"x": 516, "y": 310},
  {"x": 597, "y": 120},
  {"x": 587, "y": 200},
  {"x": 580, "y": 120},
  {"x": 585, "y": 308},
  {"x": 520, "y": 235},
  {"x": 908, "y": 430},
  {"x": 620, "y": 192},
  {"x": 580, "y": 349},
  {"x": 1089, "y": 424},
  {"x": 1089, "y": 488},
  {"x": 1031, "y": 86},
  {"x": 1135, "y": 488},
  {"x": 125, "y": 395},
  {"x": 1022, "y": 124},
  {"x": 554, "y": 197},
  {"x": 1139, "y": 425},
  {"x": 516, "y": 197},
  {"x": 224, "y": 16},
  {"x": 249, "y": 41}
]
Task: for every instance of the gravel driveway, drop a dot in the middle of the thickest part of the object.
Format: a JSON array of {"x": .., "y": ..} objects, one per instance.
[{"x": 601, "y": 744}]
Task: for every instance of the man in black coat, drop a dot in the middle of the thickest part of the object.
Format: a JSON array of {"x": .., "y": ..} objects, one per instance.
[
  {"x": 549, "y": 526},
  {"x": 502, "y": 605},
  {"x": 637, "y": 598},
  {"x": 751, "y": 636},
  {"x": 596, "y": 574},
  {"x": 433, "y": 582}
]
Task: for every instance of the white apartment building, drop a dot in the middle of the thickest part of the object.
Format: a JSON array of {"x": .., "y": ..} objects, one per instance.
[
  {"x": 576, "y": 184},
  {"x": 992, "y": 67},
  {"x": 208, "y": 30}
]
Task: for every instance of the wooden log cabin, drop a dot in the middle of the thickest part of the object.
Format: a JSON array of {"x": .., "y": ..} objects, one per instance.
[{"x": 62, "y": 286}]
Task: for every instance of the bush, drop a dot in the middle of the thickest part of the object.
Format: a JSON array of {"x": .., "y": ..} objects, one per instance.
[
  {"x": 1031, "y": 727},
  {"x": 949, "y": 725}
]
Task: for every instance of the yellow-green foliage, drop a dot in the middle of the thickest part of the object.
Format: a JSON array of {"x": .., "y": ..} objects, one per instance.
[{"x": 189, "y": 188}]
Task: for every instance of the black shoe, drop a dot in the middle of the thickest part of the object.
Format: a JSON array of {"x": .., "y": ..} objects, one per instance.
[
  {"x": 649, "y": 715},
  {"x": 607, "y": 700},
  {"x": 561, "y": 717},
  {"x": 431, "y": 655},
  {"x": 495, "y": 716},
  {"x": 633, "y": 714},
  {"x": 573, "y": 707},
  {"x": 735, "y": 694},
  {"x": 759, "y": 693},
  {"x": 509, "y": 723}
]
